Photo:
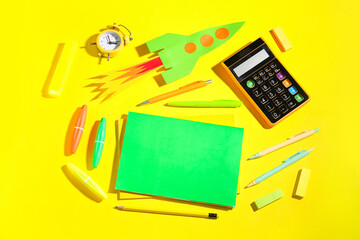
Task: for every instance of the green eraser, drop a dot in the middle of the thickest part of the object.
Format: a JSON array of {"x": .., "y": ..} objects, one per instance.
[
  {"x": 301, "y": 185},
  {"x": 267, "y": 199}
]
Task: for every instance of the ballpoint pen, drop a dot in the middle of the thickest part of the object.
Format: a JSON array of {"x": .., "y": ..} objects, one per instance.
[
  {"x": 181, "y": 90},
  {"x": 290, "y": 140},
  {"x": 99, "y": 142},
  {"x": 287, "y": 162}
]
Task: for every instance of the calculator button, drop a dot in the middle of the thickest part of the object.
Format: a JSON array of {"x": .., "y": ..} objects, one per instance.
[
  {"x": 261, "y": 73},
  {"x": 279, "y": 88},
  {"x": 275, "y": 115},
  {"x": 299, "y": 97},
  {"x": 277, "y": 70},
  {"x": 256, "y": 77},
  {"x": 277, "y": 101},
  {"x": 269, "y": 107},
  {"x": 283, "y": 108},
  {"x": 285, "y": 96},
  {"x": 272, "y": 65},
  {"x": 273, "y": 81},
  {"x": 291, "y": 103},
  {"x": 271, "y": 73},
  {"x": 265, "y": 77},
  {"x": 265, "y": 87},
  {"x": 257, "y": 92},
  {"x": 293, "y": 90},
  {"x": 259, "y": 81},
  {"x": 267, "y": 69},
  {"x": 286, "y": 83},
  {"x": 271, "y": 94},
  {"x": 250, "y": 84},
  {"x": 263, "y": 99},
  {"x": 280, "y": 76}
]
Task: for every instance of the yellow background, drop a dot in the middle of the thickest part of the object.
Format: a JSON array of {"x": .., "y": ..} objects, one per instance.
[{"x": 38, "y": 202}]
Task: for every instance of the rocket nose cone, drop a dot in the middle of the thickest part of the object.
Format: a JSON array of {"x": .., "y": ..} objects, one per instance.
[{"x": 233, "y": 27}]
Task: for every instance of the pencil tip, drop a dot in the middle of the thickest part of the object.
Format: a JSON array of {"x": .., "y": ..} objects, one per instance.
[
  {"x": 254, "y": 156},
  {"x": 143, "y": 103}
]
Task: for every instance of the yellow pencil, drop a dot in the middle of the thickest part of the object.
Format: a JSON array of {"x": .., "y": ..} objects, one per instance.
[{"x": 210, "y": 215}]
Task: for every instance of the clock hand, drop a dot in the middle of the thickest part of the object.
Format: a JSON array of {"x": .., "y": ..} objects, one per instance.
[{"x": 108, "y": 38}]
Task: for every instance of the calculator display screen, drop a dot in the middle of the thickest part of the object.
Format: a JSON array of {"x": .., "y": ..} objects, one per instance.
[{"x": 251, "y": 62}]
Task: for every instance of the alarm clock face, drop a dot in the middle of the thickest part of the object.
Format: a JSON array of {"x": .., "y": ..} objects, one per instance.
[{"x": 110, "y": 40}]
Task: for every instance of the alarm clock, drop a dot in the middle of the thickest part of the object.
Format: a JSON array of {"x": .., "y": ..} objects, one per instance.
[{"x": 111, "y": 41}]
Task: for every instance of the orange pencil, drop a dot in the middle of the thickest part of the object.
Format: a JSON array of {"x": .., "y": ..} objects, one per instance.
[
  {"x": 181, "y": 90},
  {"x": 78, "y": 129}
]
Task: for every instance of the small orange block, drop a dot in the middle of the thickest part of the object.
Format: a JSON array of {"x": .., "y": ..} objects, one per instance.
[{"x": 281, "y": 40}]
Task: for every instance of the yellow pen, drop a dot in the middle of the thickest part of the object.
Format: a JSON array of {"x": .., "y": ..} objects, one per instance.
[{"x": 88, "y": 182}]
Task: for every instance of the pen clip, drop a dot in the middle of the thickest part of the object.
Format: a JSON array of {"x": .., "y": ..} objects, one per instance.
[
  {"x": 305, "y": 131},
  {"x": 293, "y": 156},
  {"x": 190, "y": 84}
]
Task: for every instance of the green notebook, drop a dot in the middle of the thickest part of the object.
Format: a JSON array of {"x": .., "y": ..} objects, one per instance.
[{"x": 180, "y": 159}]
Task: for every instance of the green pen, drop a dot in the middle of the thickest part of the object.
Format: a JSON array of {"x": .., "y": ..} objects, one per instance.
[
  {"x": 208, "y": 104},
  {"x": 99, "y": 142}
]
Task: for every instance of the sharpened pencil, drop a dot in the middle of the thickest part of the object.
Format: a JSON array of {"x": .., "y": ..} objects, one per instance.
[{"x": 209, "y": 215}]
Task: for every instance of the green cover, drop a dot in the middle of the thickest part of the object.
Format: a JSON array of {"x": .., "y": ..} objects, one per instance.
[{"x": 180, "y": 159}]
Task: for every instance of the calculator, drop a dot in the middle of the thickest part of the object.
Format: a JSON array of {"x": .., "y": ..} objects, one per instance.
[{"x": 269, "y": 88}]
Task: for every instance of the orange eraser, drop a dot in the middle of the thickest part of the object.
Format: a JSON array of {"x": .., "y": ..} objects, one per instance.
[{"x": 281, "y": 40}]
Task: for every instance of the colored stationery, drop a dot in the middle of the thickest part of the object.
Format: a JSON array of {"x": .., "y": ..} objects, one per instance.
[
  {"x": 87, "y": 181},
  {"x": 180, "y": 159},
  {"x": 290, "y": 140},
  {"x": 269, "y": 198},
  {"x": 209, "y": 215},
  {"x": 79, "y": 129},
  {"x": 99, "y": 142},
  {"x": 302, "y": 182},
  {"x": 287, "y": 162},
  {"x": 281, "y": 40},
  {"x": 181, "y": 90},
  {"x": 62, "y": 67},
  {"x": 207, "y": 104},
  {"x": 264, "y": 83}
]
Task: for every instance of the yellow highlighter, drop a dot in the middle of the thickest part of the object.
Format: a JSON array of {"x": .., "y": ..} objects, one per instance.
[
  {"x": 62, "y": 68},
  {"x": 87, "y": 181}
]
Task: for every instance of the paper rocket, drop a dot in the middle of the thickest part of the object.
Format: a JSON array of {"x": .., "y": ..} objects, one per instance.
[{"x": 179, "y": 53}]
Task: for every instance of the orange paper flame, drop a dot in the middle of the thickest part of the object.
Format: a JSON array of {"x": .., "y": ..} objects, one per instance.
[{"x": 114, "y": 82}]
